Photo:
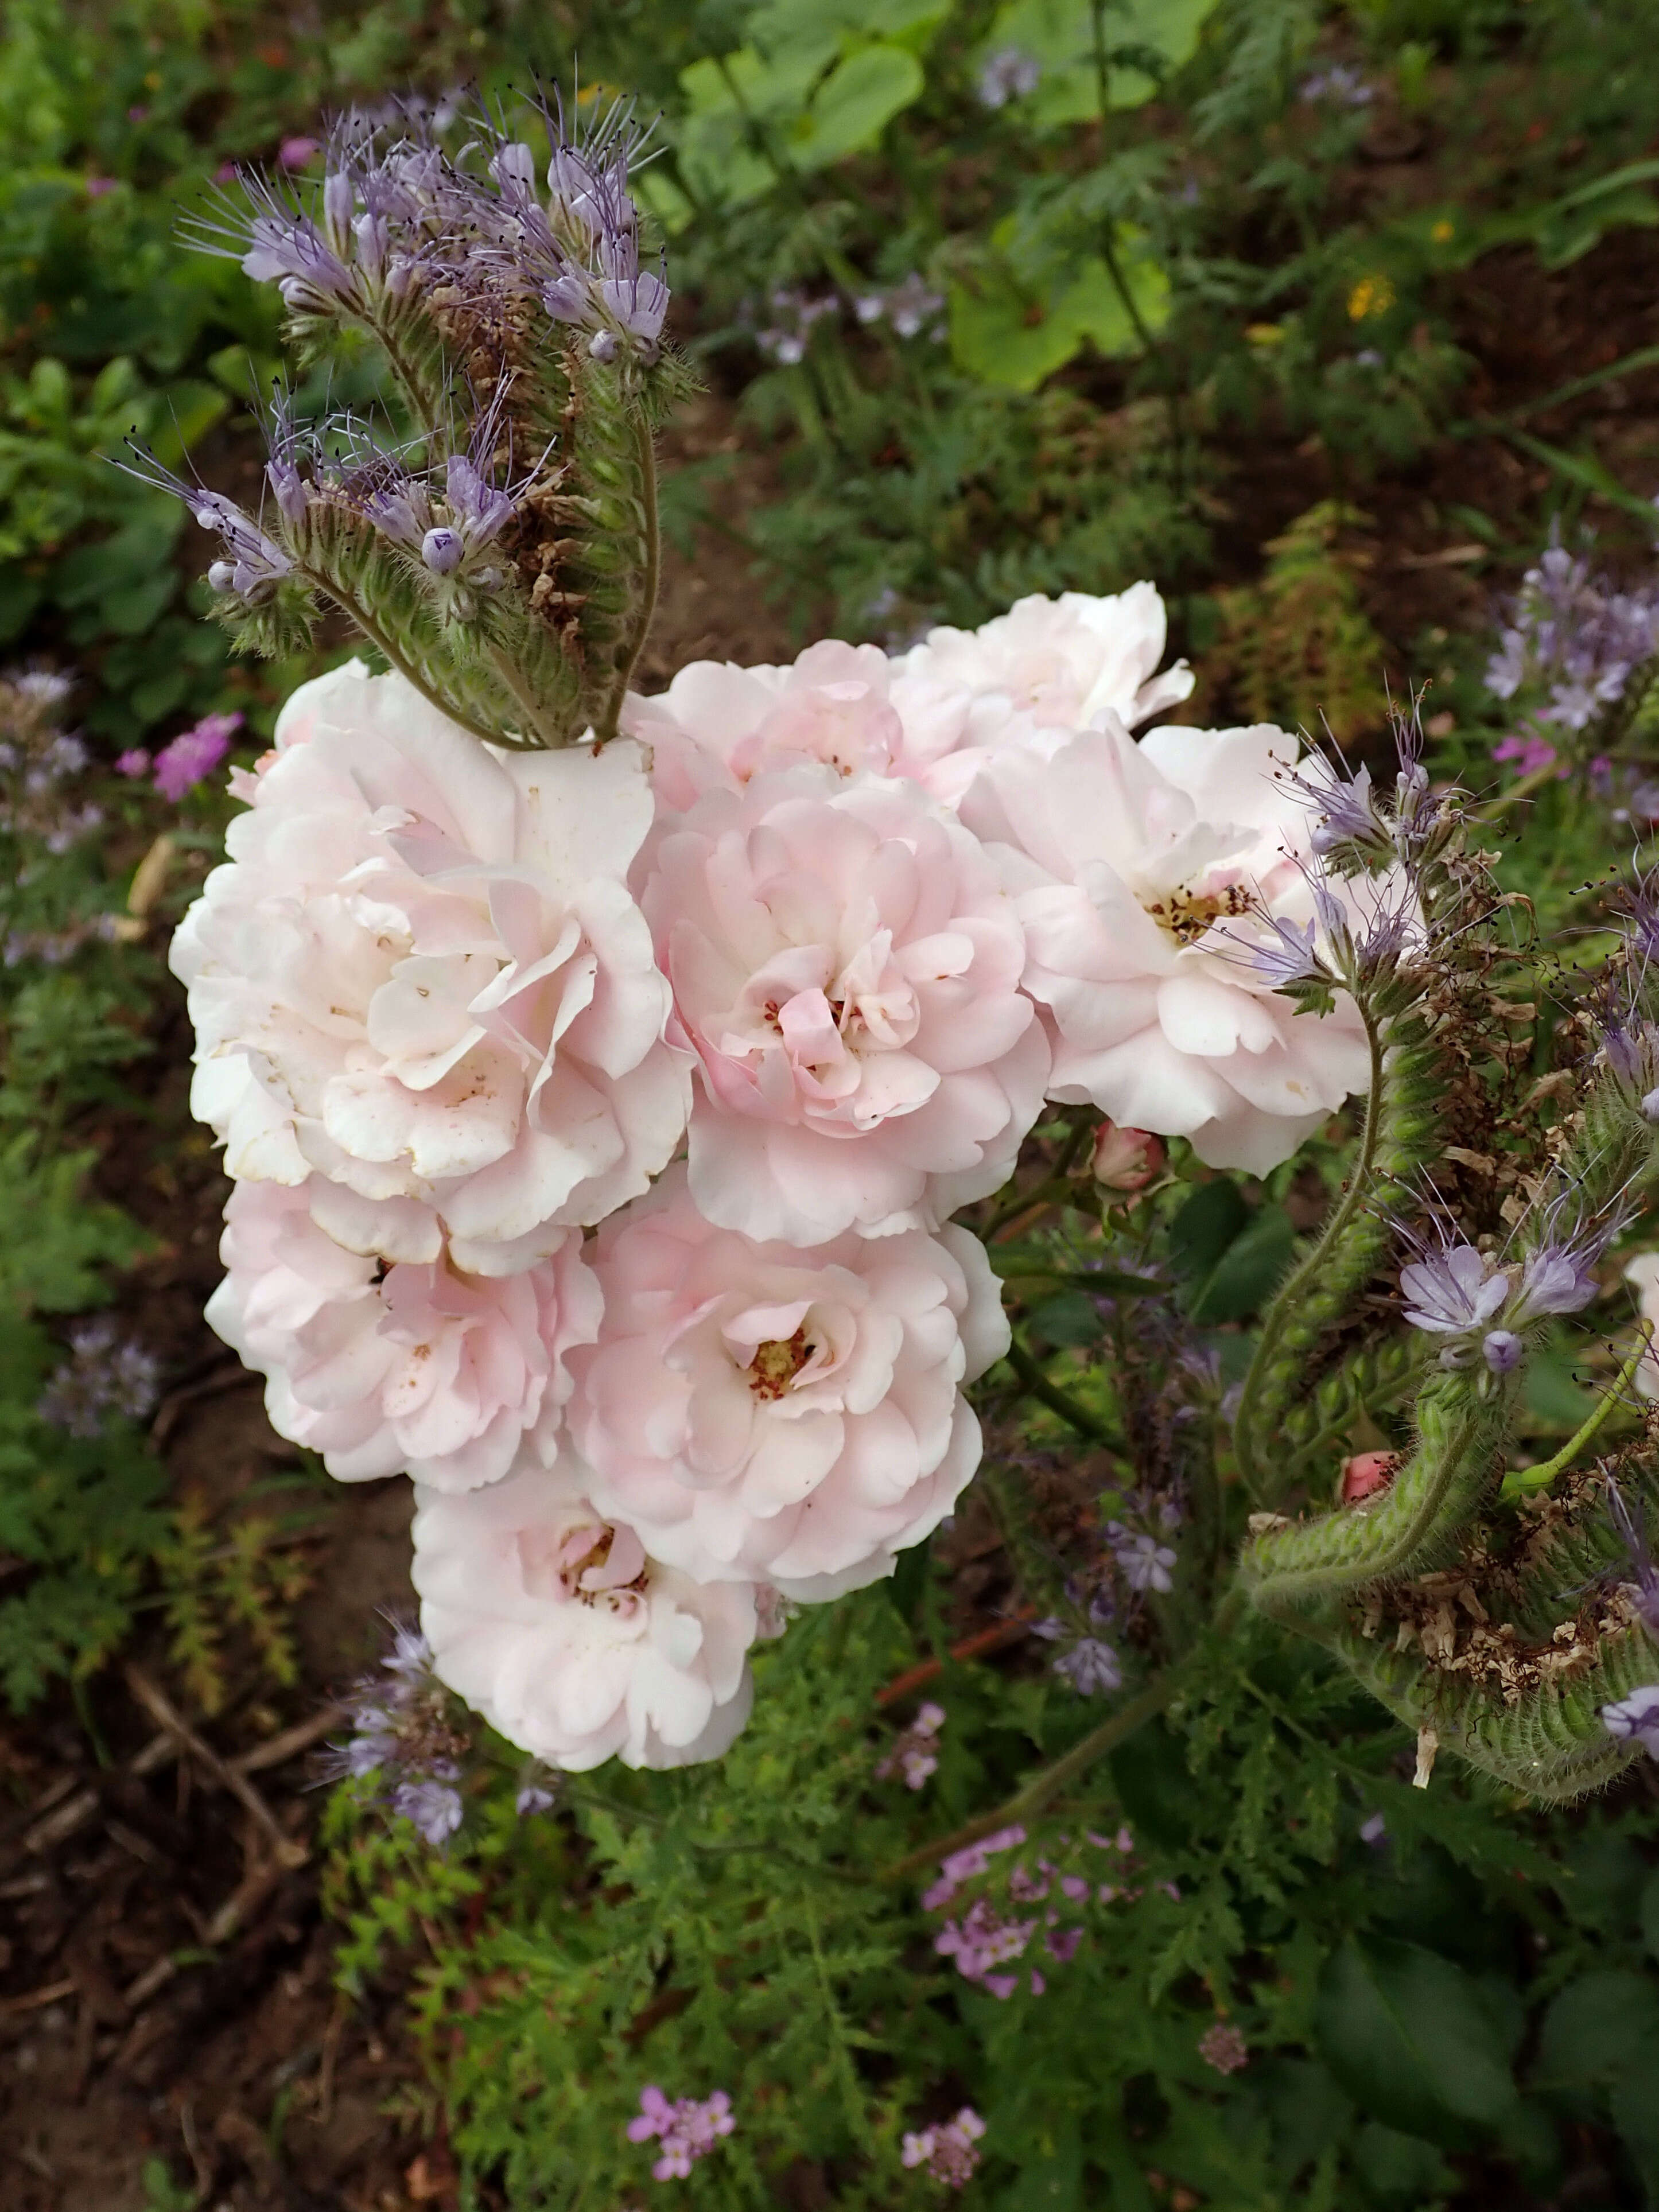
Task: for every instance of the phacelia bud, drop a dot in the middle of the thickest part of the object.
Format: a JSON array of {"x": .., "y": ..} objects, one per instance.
[
  {"x": 1501, "y": 1349},
  {"x": 441, "y": 550}
]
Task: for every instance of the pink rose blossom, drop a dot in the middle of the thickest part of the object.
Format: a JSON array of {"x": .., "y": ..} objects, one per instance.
[
  {"x": 452, "y": 1378},
  {"x": 1029, "y": 678},
  {"x": 1142, "y": 874},
  {"x": 846, "y": 967},
  {"x": 182, "y": 764},
  {"x": 760, "y": 1411},
  {"x": 932, "y": 715},
  {"x": 551, "y": 1621},
  {"x": 422, "y": 978},
  {"x": 718, "y": 724}
]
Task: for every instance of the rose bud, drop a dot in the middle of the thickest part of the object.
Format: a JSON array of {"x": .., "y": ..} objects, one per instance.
[
  {"x": 1367, "y": 1472},
  {"x": 1125, "y": 1159}
]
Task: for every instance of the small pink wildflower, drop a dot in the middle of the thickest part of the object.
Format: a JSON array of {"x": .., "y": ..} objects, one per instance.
[
  {"x": 1529, "y": 753},
  {"x": 181, "y": 765},
  {"x": 134, "y": 762},
  {"x": 97, "y": 186},
  {"x": 294, "y": 153},
  {"x": 689, "y": 2128},
  {"x": 947, "y": 2151},
  {"x": 914, "y": 1754},
  {"x": 1224, "y": 2048}
]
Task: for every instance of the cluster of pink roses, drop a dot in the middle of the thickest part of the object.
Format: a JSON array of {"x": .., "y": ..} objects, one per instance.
[{"x": 762, "y": 991}]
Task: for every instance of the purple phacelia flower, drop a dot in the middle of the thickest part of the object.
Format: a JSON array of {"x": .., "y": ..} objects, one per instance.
[
  {"x": 1635, "y": 1719},
  {"x": 106, "y": 1375}
]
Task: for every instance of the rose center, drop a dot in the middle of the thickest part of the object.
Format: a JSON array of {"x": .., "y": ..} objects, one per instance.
[
  {"x": 1187, "y": 915},
  {"x": 776, "y": 1364}
]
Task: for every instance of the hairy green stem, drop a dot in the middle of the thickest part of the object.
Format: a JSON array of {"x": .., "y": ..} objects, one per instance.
[
  {"x": 1293, "y": 1291},
  {"x": 1527, "y": 1482},
  {"x": 646, "y": 453},
  {"x": 351, "y": 606}
]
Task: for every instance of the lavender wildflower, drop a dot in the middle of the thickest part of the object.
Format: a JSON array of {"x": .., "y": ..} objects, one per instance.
[
  {"x": 1632, "y": 1529},
  {"x": 1144, "y": 1563},
  {"x": 1636, "y": 1718},
  {"x": 793, "y": 312},
  {"x": 688, "y": 2130},
  {"x": 401, "y": 1731},
  {"x": 912, "y": 306},
  {"x": 1575, "y": 638},
  {"x": 1454, "y": 1292},
  {"x": 1338, "y": 86},
  {"x": 434, "y": 1806},
  {"x": 1008, "y": 74},
  {"x": 948, "y": 2150},
  {"x": 104, "y": 1375}
]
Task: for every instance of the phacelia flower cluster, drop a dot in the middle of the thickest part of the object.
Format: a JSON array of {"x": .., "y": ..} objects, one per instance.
[
  {"x": 1474, "y": 1302},
  {"x": 106, "y": 1375},
  {"x": 1573, "y": 644},
  {"x": 763, "y": 991}
]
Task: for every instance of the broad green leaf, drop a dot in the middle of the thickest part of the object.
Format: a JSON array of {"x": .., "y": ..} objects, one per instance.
[
  {"x": 855, "y": 104},
  {"x": 1058, "y": 35},
  {"x": 789, "y": 22},
  {"x": 1206, "y": 1225},
  {"x": 1399, "y": 2167},
  {"x": 1407, "y": 2035},
  {"x": 1248, "y": 1271},
  {"x": 1003, "y": 332},
  {"x": 1597, "y": 2028}
]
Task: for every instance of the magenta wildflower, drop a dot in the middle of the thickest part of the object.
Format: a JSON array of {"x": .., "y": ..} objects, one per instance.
[
  {"x": 97, "y": 186},
  {"x": 689, "y": 2130},
  {"x": 1530, "y": 752},
  {"x": 181, "y": 765},
  {"x": 947, "y": 2151},
  {"x": 134, "y": 762}
]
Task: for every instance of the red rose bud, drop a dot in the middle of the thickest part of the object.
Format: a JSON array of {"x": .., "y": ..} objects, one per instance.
[
  {"x": 1125, "y": 1159},
  {"x": 1367, "y": 1472}
]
